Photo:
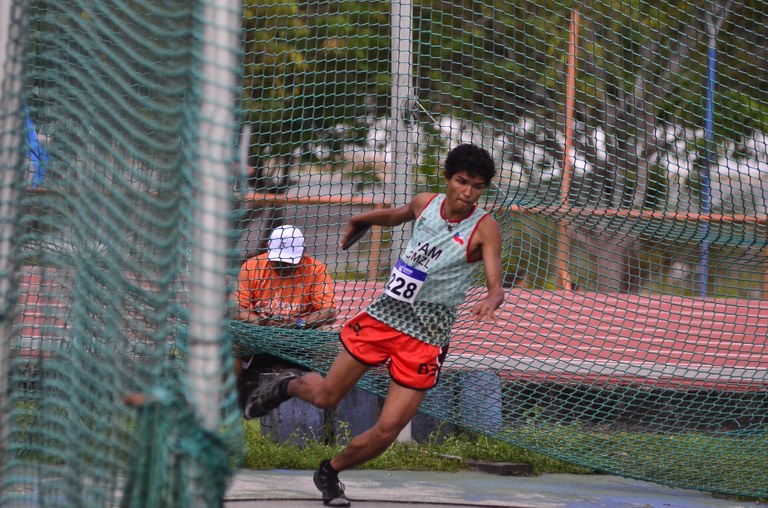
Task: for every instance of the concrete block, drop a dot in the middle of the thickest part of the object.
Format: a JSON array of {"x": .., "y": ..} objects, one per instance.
[
  {"x": 426, "y": 427},
  {"x": 356, "y": 413},
  {"x": 442, "y": 400},
  {"x": 294, "y": 422},
  {"x": 480, "y": 400},
  {"x": 501, "y": 468}
]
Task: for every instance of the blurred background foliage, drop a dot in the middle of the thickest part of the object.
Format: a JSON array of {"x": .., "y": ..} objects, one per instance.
[{"x": 317, "y": 84}]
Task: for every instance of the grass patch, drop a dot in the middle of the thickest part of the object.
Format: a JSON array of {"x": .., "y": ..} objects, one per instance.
[
  {"x": 446, "y": 454},
  {"x": 734, "y": 471}
]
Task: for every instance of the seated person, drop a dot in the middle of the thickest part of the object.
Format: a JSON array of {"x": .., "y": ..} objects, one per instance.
[{"x": 285, "y": 288}]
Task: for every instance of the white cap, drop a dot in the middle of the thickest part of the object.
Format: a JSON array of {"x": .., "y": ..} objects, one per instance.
[{"x": 286, "y": 244}]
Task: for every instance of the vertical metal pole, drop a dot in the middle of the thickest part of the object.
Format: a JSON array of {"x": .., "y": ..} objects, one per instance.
[
  {"x": 10, "y": 154},
  {"x": 402, "y": 99},
  {"x": 764, "y": 285},
  {"x": 207, "y": 307},
  {"x": 706, "y": 199},
  {"x": 376, "y": 244},
  {"x": 563, "y": 276},
  {"x": 244, "y": 150}
]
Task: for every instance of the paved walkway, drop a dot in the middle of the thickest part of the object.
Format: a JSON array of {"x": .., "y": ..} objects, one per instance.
[{"x": 401, "y": 489}]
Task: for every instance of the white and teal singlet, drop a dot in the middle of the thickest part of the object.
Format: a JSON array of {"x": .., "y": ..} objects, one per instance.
[{"x": 431, "y": 277}]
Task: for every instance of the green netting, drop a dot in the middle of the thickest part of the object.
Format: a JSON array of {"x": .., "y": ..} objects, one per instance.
[
  {"x": 632, "y": 208},
  {"x": 632, "y": 156},
  {"x": 114, "y": 144}
]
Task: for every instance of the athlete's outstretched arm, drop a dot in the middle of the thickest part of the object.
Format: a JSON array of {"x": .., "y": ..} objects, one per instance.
[
  {"x": 387, "y": 216},
  {"x": 489, "y": 238}
]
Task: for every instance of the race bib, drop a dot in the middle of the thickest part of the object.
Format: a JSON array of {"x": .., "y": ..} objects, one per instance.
[{"x": 405, "y": 282}]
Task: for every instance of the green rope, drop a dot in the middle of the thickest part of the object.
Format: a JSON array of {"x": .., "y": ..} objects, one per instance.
[{"x": 178, "y": 461}]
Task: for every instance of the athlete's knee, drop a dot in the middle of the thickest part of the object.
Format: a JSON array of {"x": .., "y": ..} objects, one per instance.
[
  {"x": 312, "y": 388},
  {"x": 387, "y": 431},
  {"x": 325, "y": 396}
]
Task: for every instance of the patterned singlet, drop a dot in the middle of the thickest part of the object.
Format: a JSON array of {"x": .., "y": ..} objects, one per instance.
[{"x": 431, "y": 277}]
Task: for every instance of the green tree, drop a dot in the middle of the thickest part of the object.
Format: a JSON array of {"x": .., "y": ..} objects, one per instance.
[{"x": 313, "y": 65}]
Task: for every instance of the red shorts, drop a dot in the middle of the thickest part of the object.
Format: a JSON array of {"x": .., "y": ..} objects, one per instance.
[{"x": 412, "y": 363}]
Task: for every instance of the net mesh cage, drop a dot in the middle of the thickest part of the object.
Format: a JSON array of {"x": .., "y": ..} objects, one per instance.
[
  {"x": 143, "y": 161},
  {"x": 118, "y": 144}
]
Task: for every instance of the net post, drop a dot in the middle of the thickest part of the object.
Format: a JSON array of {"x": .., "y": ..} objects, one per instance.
[
  {"x": 764, "y": 285},
  {"x": 563, "y": 277},
  {"x": 10, "y": 155},
  {"x": 402, "y": 91},
  {"x": 208, "y": 300},
  {"x": 376, "y": 243}
]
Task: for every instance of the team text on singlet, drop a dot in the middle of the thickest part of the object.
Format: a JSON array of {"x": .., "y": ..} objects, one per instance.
[{"x": 431, "y": 277}]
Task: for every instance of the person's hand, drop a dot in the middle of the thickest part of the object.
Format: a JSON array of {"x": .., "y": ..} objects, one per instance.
[
  {"x": 353, "y": 233},
  {"x": 261, "y": 316},
  {"x": 279, "y": 321},
  {"x": 484, "y": 311}
]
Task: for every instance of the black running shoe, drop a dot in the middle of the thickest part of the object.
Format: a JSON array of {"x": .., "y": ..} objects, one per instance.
[
  {"x": 327, "y": 482},
  {"x": 269, "y": 394},
  {"x": 246, "y": 384}
]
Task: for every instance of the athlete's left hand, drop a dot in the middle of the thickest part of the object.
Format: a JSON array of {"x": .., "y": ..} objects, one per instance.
[{"x": 484, "y": 311}]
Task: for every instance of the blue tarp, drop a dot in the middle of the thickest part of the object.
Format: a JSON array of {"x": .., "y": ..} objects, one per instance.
[{"x": 37, "y": 154}]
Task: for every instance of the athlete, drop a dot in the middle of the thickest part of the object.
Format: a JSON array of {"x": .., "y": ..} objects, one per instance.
[{"x": 408, "y": 326}]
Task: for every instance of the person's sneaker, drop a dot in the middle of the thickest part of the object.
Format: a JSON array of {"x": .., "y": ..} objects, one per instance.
[
  {"x": 327, "y": 482},
  {"x": 245, "y": 388},
  {"x": 269, "y": 394},
  {"x": 246, "y": 384}
]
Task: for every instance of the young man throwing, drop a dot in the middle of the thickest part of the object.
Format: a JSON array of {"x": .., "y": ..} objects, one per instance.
[{"x": 409, "y": 325}]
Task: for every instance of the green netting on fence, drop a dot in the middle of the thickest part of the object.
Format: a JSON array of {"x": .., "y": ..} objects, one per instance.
[
  {"x": 632, "y": 206},
  {"x": 632, "y": 156},
  {"x": 118, "y": 131}
]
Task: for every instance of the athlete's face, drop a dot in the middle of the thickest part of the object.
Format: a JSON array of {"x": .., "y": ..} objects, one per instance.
[{"x": 462, "y": 190}]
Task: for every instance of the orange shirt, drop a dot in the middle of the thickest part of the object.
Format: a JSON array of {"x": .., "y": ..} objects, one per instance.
[{"x": 309, "y": 288}]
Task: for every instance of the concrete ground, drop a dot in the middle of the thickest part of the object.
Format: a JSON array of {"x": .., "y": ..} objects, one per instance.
[{"x": 401, "y": 489}]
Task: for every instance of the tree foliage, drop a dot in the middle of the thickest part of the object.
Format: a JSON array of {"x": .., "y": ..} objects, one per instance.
[
  {"x": 642, "y": 69},
  {"x": 311, "y": 65}
]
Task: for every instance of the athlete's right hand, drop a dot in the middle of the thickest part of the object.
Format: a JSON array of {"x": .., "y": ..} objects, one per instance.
[{"x": 353, "y": 233}]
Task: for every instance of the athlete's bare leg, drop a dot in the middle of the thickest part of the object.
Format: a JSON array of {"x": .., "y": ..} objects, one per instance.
[
  {"x": 326, "y": 392},
  {"x": 400, "y": 407}
]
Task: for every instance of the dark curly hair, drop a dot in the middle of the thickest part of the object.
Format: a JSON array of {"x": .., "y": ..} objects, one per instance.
[{"x": 475, "y": 160}]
